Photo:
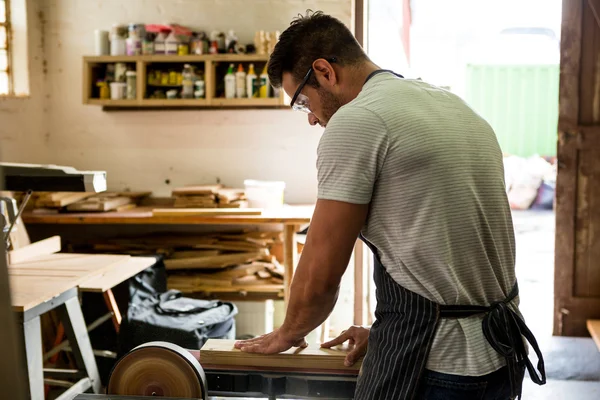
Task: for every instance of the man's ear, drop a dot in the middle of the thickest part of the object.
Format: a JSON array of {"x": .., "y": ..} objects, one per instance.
[{"x": 324, "y": 72}]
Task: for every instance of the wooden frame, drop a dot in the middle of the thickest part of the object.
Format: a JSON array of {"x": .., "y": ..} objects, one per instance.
[
  {"x": 576, "y": 274},
  {"x": 210, "y": 62},
  {"x": 7, "y": 25}
]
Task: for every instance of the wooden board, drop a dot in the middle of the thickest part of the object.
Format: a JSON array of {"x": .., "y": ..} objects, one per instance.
[
  {"x": 30, "y": 291},
  {"x": 288, "y": 215},
  {"x": 43, "y": 247},
  {"x": 100, "y": 204},
  {"x": 197, "y": 190},
  {"x": 190, "y": 212},
  {"x": 112, "y": 277},
  {"x": 219, "y": 352},
  {"x": 593, "y": 326},
  {"x": 60, "y": 199},
  {"x": 41, "y": 278},
  {"x": 219, "y": 261},
  {"x": 576, "y": 273}
]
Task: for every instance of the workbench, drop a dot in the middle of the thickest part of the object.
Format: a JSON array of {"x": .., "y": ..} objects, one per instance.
[
  {"x": 46, "y": 282},
  {"x": 290, "y": 217}
]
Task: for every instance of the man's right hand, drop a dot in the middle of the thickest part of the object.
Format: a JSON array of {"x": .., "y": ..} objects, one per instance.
[{"x": 358, "y": 337}]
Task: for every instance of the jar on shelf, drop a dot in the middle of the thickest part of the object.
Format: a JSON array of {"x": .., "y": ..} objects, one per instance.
[{"x": 131, "y": 84}]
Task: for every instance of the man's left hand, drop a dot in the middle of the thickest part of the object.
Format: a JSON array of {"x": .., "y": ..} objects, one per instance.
[{"x": 271, "y": 343}]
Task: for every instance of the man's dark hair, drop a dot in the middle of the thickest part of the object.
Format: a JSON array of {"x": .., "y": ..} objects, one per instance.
[{"x": 308, "y": 38}]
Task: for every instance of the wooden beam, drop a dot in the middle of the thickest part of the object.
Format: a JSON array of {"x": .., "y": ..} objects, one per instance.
[
  {"x": 220, "y": 352},
  {"x": 360, "y": 21},
  {"x": 593, "y": 326},
  {"x": 566, "y": 186},
  {"x": 113, "y": 307},
  {"x": 44, "y": 247}
]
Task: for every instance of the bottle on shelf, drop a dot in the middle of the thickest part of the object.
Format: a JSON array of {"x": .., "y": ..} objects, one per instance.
[
  {"x": 263, "y": 91},
  {"x": 251, "y": 82},
  {"x": 240, "y": 82},
  {"x": 117, "y": 41},
  {"x": 171, "y": 43},
  {"x": 160, "y": 42},
  {"x": 134, "y": 42},
  {"x": 230, "y": 83},
  {"x": 188, "y": 75}
]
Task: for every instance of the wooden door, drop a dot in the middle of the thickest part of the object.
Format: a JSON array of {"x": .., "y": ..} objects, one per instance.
[{"x": 577, "y": 248}]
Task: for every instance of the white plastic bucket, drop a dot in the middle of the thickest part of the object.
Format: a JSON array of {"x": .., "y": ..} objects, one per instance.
[{"x": 264, "y": 194}]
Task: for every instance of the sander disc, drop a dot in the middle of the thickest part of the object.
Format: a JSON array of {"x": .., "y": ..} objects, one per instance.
[{"x": 158, "y": 369}]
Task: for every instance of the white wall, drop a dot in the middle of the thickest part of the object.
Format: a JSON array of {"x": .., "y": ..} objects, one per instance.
[{"x": 142, "y": 149}]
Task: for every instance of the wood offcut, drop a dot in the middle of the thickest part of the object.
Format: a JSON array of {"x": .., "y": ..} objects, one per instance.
[{"x": 219, "y": 352}]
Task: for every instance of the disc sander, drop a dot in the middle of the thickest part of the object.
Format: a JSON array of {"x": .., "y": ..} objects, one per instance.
[{"x": 158, "y": 369}]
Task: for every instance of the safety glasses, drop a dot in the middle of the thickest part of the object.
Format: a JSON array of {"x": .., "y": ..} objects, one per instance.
[{"x": 300, "y": 101}]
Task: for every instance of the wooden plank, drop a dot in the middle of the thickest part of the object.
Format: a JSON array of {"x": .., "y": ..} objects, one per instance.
[
  {"x": 197, "y": 190},
  {"x": 29, "y": 291},
  {"x": 220, "y": 352},
  {"x": 289, "y": 215},
  {"x": 113, "y": 307},
  {"x": 194, "y": 253},
  {"x": 589, "y": 92},
  {"x": 43, "y": 247},
  {"x": 593, "y": 326},
  {"x": 570, "y": 65},
  {"x": 219, "y": 261},
  {"x": 567, "y": 159},
  {"x": 99, "y": 203},
  {"x": 191, "y": 212},
  {"x": 61, "y": 199},
  {"x": 110, "y": 278}
]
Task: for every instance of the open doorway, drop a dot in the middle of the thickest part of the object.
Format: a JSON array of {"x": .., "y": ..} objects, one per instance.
[{"x": 503, "y": 58}]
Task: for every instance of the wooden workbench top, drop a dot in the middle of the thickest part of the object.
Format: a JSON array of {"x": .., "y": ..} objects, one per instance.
[
  {"x": 288, "y": 215},
  {"x": 39, "y": 279}
]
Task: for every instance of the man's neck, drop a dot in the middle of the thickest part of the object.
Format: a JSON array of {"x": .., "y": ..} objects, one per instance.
[{"x": 357, "y": 80}]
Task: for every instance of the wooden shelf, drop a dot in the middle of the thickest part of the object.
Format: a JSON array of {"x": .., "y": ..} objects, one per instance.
[
  {"x": 93, "y": 65},
  {"x": 175, "y": 58},
  {"x": 117, "y": 103},
  {"x": 172, "y": 102},
  {"x": 270, "y": 102}
]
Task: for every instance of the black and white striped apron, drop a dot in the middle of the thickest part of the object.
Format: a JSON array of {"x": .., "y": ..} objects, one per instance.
[{"x": 404, "y": 329}]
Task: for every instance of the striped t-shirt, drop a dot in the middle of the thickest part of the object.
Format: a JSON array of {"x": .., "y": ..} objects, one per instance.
[{"x": 432, "y": 171}]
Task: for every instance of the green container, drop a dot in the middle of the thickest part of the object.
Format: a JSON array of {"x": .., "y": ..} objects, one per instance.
[{"x": 520, "y": 102}]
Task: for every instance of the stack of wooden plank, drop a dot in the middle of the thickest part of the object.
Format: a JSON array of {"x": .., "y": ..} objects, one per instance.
[
  {"x": 234, "y": 262},
  {"x": 52, "y": 202},
  {"x": 109, "y": 201},
  {"x": 209, "y": 196}
]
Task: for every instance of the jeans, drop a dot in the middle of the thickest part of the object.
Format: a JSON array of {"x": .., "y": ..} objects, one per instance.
[{"x": 438, "y": 386}]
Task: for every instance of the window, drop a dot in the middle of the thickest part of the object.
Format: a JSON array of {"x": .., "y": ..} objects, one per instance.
[{"x": 5, "y": 32}]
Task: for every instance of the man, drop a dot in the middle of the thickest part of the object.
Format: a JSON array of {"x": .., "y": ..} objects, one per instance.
[{"x": 419, "y": 176}]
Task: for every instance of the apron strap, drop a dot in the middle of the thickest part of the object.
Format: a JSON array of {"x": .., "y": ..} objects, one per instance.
[{"x": 504, "y": 329}]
